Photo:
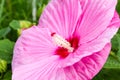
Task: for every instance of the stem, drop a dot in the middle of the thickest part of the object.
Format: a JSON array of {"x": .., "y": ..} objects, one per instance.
[
  {"x": 1, "y": 9},
  {"x": 34, "y": 10}
]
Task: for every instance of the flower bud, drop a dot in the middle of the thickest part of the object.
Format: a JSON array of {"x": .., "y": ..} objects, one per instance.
[
  {"x": 23, "y": 25},
  {"x": 3, "y": 65}
]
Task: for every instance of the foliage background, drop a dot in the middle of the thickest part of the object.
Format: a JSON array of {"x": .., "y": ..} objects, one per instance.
[{"x": 16, "y": 15}]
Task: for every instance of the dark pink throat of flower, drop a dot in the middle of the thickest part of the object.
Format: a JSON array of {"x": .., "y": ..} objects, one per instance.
[{"x": 65, "y": 46}]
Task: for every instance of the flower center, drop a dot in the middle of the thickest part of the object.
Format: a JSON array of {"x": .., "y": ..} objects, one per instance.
[{"x": 64, "y": 47}]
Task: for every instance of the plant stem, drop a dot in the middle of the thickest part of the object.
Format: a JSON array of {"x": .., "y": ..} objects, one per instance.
[
  {"x": 34, "y": 10},
  {"x": 1, "y": 9}
]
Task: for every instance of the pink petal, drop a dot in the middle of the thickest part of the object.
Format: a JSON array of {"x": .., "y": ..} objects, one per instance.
[
  {"x": 115, "y": 20},
  {"x": 90, "y": 47},
  {"x": 60, "y": 75},
  {"x": 61, "y": 16},
  {"x": 33, "y": 56},
  {"x": 39, "y": 70},
  {"x": 34, "y": 44},
  {"x": 67, "y": 73},
  {"x": 71, "y": 73},
  {"x": 95, "y": 18},
  {"x": 89, "y": 66},
  {"x": 98, "y": 43},
  {"x": 105, "y": 37},
  {"x": 86, "y": 68}
]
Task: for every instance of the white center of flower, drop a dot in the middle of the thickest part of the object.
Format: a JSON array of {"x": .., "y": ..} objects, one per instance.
[{"x": 60, "y": 41}]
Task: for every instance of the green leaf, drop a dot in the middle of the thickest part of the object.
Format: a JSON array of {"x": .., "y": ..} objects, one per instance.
[
  {"x": 114, "y": 58},
  {"x": 118, "y": 6},
  {"x": 7, "y": 76},
  {"x": 6, "y": 50},
  {"x": 118, "y": 54},
  {"x": 108, "y": 74},
  {"x": 115, "y": 42},
  {"x": 99, "y": 76},
  {"x": 4, "y": 32},
  {"x": 40, "y": 10},
  {"x": 15, "y": 24},
  {"x": 112, "y": 63}
]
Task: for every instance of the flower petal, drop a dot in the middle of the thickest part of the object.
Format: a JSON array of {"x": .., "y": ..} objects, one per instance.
[
  {"x": 89, "y": 66},
  {"x": 61, "y": 16},
  {"x": 115, "y": 20},
  {"x": 98, "y": 43},
  {"x": 60, "y": 75},
  {"x": 86, "y": 68},
  {"x": 39, "y": 70},
  {"x": 95, "y": 18},
  {"x": 71, "y": 73},
  {"x": 34, "y": 44},
  {"x": 90, "y": 47}
]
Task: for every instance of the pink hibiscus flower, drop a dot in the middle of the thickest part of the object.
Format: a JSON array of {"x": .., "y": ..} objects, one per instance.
[{"x": 71, "y": 41}]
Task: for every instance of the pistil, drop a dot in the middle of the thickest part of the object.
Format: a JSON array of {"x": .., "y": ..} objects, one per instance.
[{"x": 61, "y": 42}]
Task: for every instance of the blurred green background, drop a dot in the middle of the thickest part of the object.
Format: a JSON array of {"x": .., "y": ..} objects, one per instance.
[{"x": 16, "y": 15}]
